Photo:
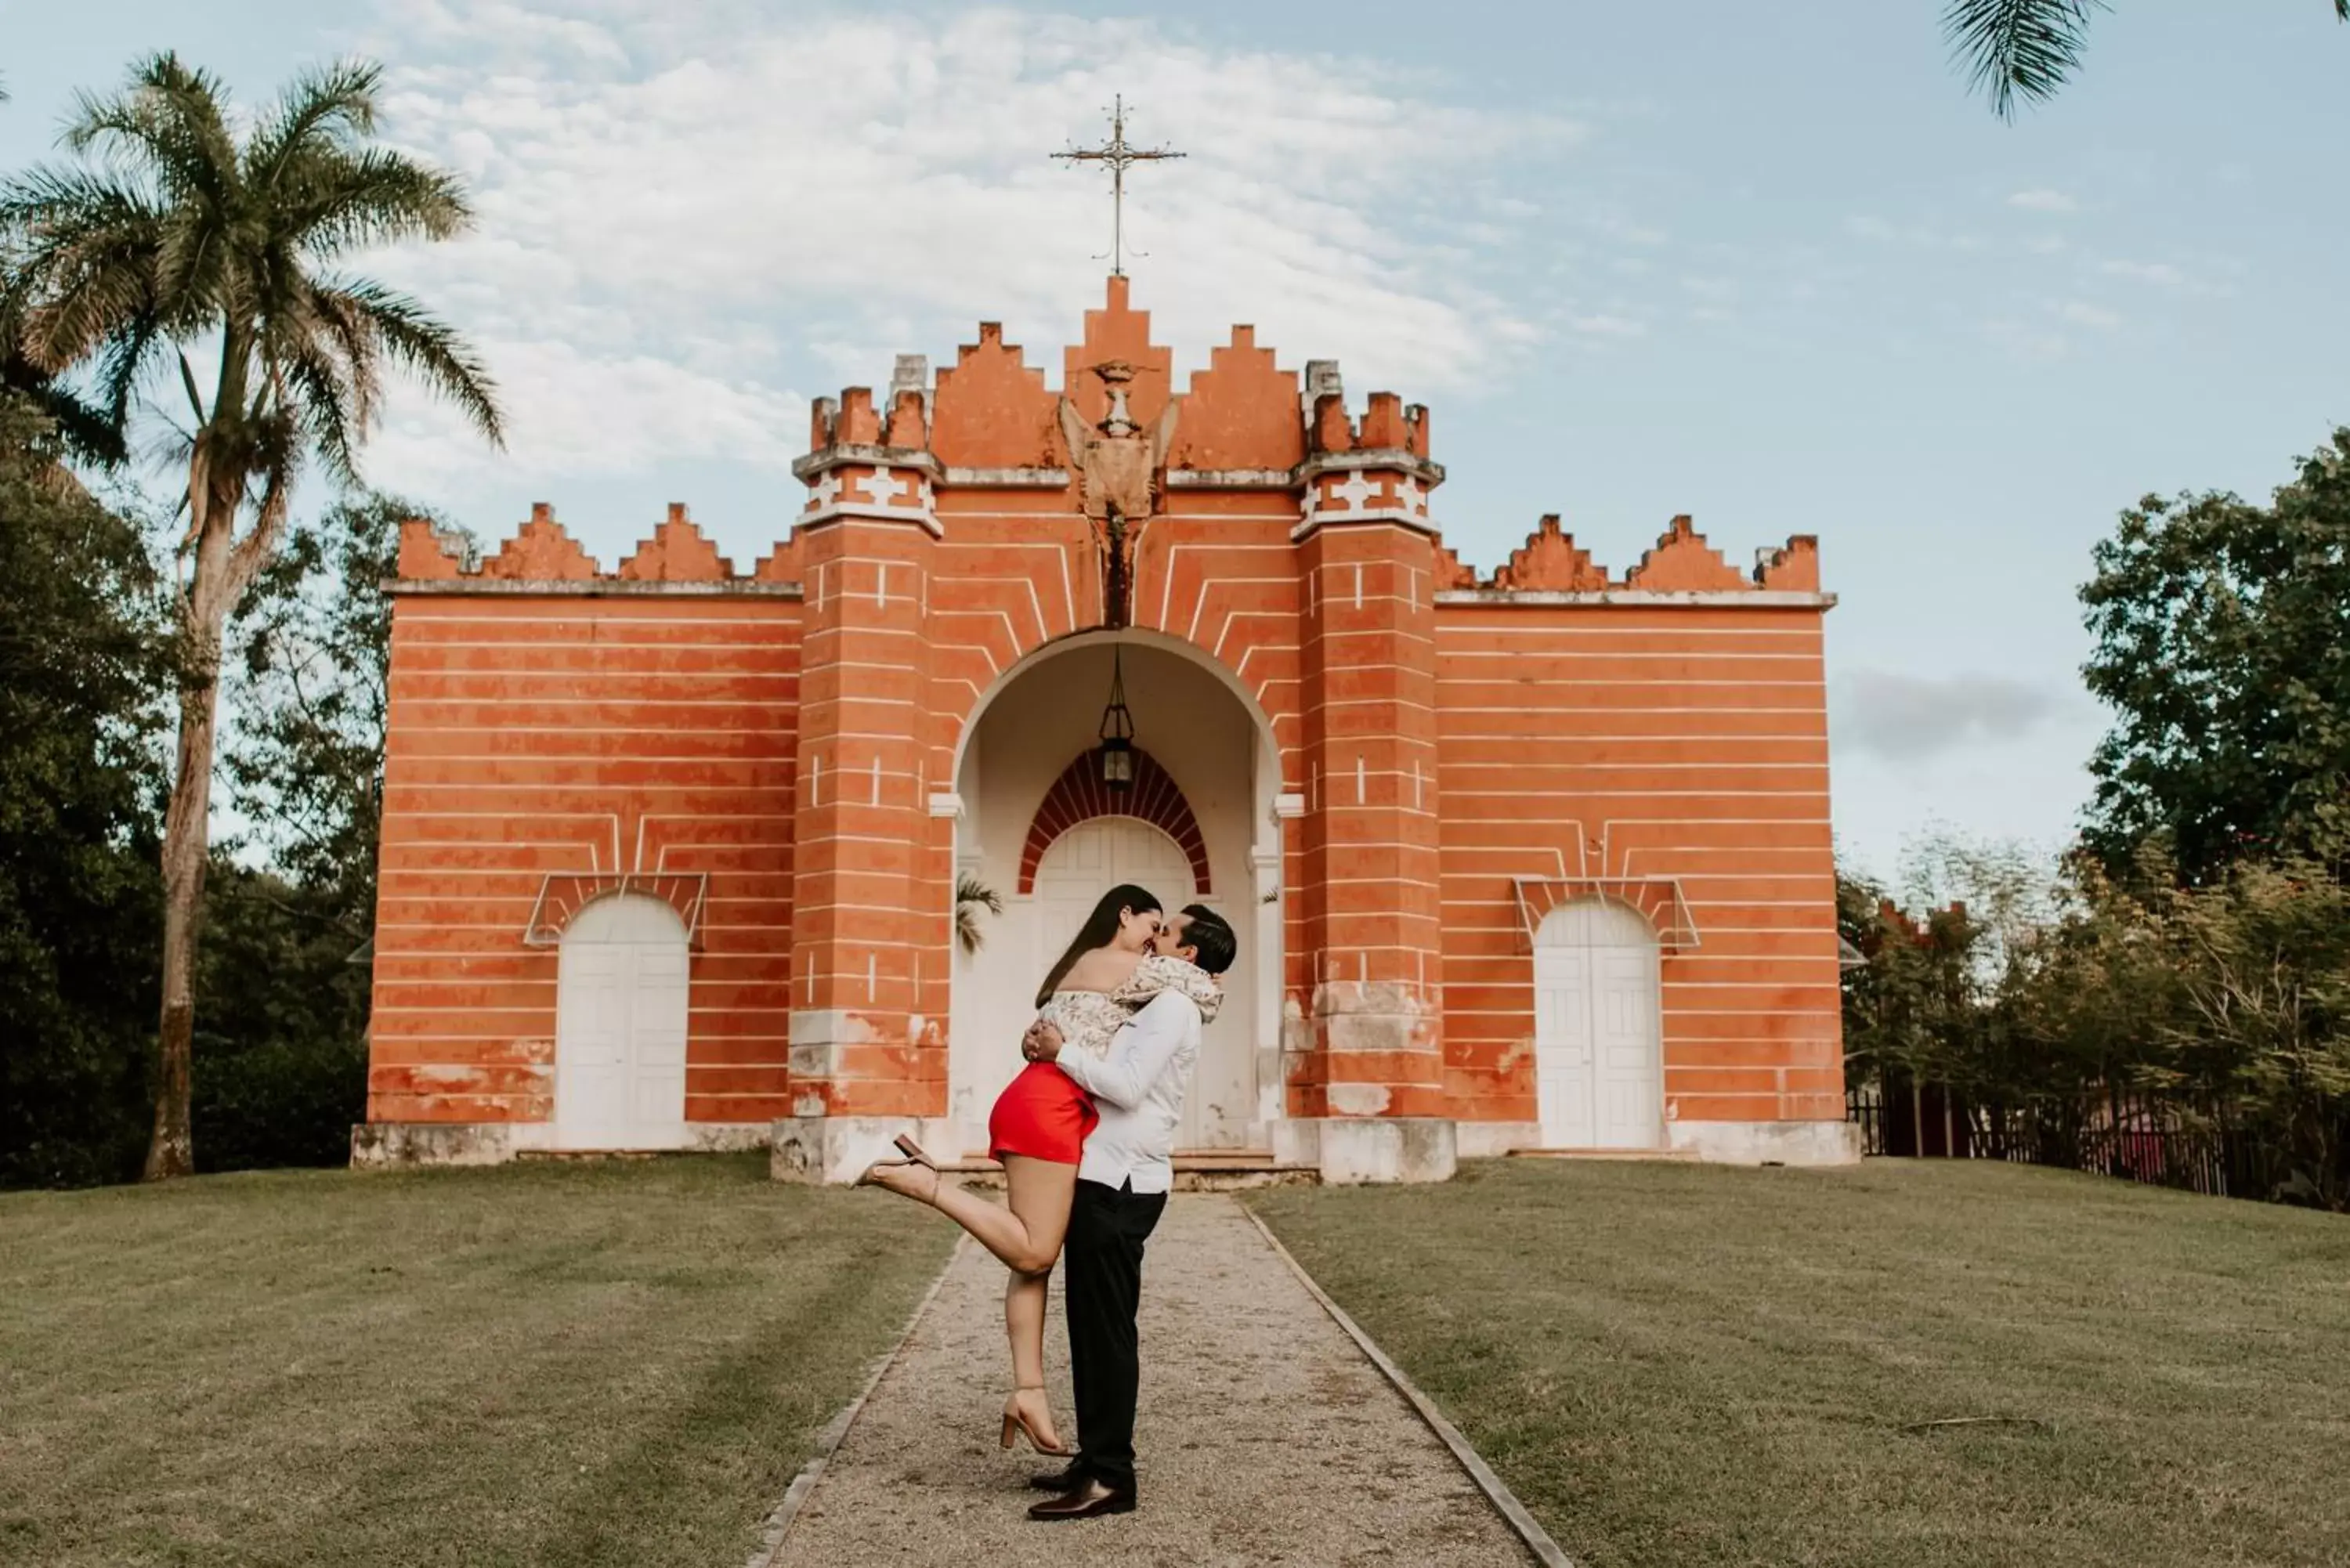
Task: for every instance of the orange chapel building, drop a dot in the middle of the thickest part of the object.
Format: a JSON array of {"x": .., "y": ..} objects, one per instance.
[{"x": 681, "y": 855}]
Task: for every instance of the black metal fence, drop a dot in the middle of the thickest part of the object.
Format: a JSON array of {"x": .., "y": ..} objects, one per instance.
[{"x": 2112, "y": 1132}]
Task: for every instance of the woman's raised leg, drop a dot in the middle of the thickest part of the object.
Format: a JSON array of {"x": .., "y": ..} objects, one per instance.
[{"x": 1025, "y": 1231}]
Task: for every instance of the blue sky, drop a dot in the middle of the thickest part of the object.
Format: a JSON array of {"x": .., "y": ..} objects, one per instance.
[{"x": 1771, "y": 267}]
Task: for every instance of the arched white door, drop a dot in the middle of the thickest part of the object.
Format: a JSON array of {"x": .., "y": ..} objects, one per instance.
[
  {"x": 619, "y": 1027},
  {"x": 1598, "y": 1052}
]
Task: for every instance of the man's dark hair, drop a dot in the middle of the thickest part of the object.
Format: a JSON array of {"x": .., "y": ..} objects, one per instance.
[{"x": 1211, "y": 939}]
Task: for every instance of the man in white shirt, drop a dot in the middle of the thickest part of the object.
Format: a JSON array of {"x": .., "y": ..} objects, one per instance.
[{"x": 1123, "y": 1177}]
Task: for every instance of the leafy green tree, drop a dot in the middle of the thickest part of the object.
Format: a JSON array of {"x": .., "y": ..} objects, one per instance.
[
  {"x": 2262, "y": 964},
  {"x": 84, "y": 650},
  {"x": 2026, "y": 48},
  {"x": 282, "y": 984},
  {"x": 185, "y": 229},
  {"x": 2223, "y": 637}
]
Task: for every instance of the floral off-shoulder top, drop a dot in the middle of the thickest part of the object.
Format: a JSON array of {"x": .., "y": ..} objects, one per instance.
[{"x": 1090, "y": 1020}]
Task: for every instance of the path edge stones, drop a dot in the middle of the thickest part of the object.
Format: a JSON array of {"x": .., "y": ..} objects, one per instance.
[
  {"x": 1536, "y": 1538},
  {"x": 778, "y": 1523}
]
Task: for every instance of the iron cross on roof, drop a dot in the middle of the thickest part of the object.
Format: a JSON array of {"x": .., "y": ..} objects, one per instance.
[{"x": 1119, "y": 157}]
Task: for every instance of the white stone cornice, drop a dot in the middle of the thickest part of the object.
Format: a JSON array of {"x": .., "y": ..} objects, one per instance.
[
  {"x": 589, "y": 587},
  {"x": 1388, "y": 457},
  {"x": 825, "y": 459},
  {"x": 1641, "y": 598},
  {"x": 823, "y": 515}
]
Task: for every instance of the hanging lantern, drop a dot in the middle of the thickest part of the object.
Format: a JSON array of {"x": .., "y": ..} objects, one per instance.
[{"x": 1117, "y": 733}]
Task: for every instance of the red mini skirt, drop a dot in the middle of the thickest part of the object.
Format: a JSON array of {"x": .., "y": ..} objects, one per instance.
[{"x": 1042, "y": 1114}]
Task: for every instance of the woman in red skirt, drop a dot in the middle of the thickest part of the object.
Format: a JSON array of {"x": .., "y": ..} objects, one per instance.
[{"x": 1038, "y": 1130}]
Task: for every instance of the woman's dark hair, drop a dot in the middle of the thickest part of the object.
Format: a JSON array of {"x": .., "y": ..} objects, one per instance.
[{"x": 1100, "y": 927}]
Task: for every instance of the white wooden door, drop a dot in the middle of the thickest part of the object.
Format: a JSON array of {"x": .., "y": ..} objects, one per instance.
[
  {"x": 621, "y": 990},
  {"x": 1598, "y": 1054},
  {"x": 1087, "y": 862}
]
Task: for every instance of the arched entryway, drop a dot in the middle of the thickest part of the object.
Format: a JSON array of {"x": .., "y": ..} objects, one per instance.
[
  {"x": 1598, "y": 1050},
  {"x": 1204, "y": 830},
  {"x": 621, "y": 986}
]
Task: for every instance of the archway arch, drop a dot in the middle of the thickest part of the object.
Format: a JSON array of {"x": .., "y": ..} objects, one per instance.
[{"x": 1031, "y": 727}]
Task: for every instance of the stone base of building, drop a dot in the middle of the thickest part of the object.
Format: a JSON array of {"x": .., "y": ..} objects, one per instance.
[
  {"x": 1352, "y": 1150},
  {"x": 835, "y": 1150},
  {"x": 385, "y": 1144},
  {"x": 1490, "y": 1140},
  {"x": 1766, "y": 1143}
]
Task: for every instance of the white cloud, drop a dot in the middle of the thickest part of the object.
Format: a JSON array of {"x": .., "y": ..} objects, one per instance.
[
  {"x": 684, "y": 210},
  {"x": 1903, "y": 717},
  {"x": 2044, "y": 200}
]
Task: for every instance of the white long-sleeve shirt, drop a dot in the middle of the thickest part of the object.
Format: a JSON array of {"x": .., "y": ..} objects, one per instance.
[{"x": 1139, "y": 1089}]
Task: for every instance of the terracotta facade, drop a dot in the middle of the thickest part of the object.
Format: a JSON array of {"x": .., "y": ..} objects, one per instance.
[{"x": 775, "y": 753}]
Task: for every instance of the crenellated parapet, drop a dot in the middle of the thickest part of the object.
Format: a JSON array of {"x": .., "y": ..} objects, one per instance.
[
  {"x": 542, "y": 557},
  {"x": 873, "y": 459},
  {"x": 1680, "y": 563}
]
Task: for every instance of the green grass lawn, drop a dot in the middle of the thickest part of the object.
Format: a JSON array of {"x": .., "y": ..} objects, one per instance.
[
  {"x": 1684, "y": 1365},
  {"x": 559, "y": 1364}
]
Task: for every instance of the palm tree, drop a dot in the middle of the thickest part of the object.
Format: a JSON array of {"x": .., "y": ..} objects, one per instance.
[
  {"x": 182, "y": 231},
  {"x": 2026, "y": 47}
]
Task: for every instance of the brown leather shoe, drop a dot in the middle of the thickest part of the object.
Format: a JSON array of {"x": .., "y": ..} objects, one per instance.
[
  {"x": 1089, "y": 1500},
  {"x": 1070, "y": 1478}
]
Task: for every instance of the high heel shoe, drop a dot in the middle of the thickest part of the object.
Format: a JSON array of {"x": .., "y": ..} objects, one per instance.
[
  {"x": 1016, "y": 1420},
  {"x": 913, "y": 1151},
  {"x": 868, "y": 1178}
]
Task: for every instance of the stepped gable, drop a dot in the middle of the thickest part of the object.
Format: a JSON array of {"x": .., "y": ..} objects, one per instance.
[
  {"x": 423, "y": 556},
  {"x": 678, "y": 552},
  {"x": 1450, "y": 572},
  {"x": 1117, "y": 332},
  {"x": 1240, "y": 412},
  {"x": 780, "y": 564},
  {"x": 1793, "y": 567},
  {"x": 993, "y": 410},
  {"x": 1552, "y": 561},
  {"x": 541, "y": 552},
  {"x": 1683, "y": 562}
]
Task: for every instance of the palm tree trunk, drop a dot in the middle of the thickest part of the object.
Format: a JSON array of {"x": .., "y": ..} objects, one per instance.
[
  {"x": 222, "y": 572},
  {"x": 186, "y": 844}
]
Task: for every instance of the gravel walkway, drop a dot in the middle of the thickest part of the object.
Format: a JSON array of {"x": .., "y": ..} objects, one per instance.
[{"x": 1265, "y": 1437}]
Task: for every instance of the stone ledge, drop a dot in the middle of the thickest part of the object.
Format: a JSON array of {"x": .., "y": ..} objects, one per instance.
[
  {"x": 382, "y": 1146},
  {"x": 1766, "y": 1143}
]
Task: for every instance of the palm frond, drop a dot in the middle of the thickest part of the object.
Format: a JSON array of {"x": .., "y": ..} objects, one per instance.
[
  {"x": 169, "y": 121},
  {"x": 2011, "y": 48},
  {"x": 377, "y": 198},
  {"x": 430, "y": 349},
  {"x": 327, "y": 106}
]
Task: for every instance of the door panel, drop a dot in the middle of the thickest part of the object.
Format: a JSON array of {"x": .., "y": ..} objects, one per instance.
[
  {"x": 623, "y": 980},
  {"x": 1599, "y": 1074}
]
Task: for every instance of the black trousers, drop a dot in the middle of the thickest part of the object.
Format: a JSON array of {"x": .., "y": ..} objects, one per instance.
[{"x": 1103, "y": 1283}]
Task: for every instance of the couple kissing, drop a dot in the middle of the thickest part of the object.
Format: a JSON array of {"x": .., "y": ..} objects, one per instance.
[{"x": 1085, "y": 1134}]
